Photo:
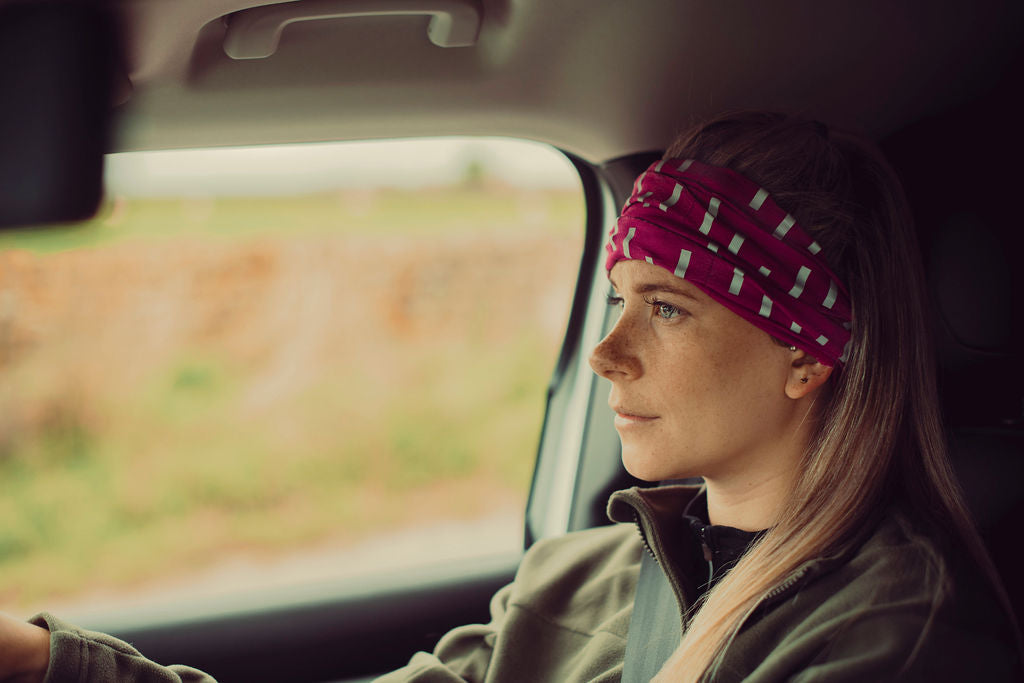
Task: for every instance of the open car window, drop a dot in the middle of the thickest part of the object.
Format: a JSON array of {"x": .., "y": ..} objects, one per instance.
[{"x": 264, "y": 367}]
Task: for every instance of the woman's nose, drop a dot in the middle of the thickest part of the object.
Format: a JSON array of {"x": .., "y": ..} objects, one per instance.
[{"x": 613, "y": 357}]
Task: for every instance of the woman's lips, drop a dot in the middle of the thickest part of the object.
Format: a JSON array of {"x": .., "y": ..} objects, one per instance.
[{"x": 624, "y": 419}]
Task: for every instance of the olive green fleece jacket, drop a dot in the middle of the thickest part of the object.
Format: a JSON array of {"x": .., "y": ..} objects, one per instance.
[
  {"x": 565, "y": 617},
  {"x": 80, "y": 656},
  {"x": 853, "y": 618}
]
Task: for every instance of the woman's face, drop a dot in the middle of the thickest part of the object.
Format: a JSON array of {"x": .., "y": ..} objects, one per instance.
[{"x": 697, "y": 390}]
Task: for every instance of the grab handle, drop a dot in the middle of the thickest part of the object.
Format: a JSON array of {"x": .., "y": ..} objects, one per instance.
[{"x": 256, "y": 32}]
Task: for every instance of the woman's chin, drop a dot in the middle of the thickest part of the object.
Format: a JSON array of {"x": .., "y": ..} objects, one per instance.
[
  {"x": 650, "y": 465},
  {"x": 646, "y": 467}
]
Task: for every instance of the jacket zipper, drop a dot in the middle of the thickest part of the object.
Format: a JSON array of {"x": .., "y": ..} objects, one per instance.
[
  {"x": 643, "y": 536},
  {"x": 784, "y": 586}
]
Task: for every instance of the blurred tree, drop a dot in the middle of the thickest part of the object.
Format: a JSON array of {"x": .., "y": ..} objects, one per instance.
[{"x": 474, "y": 174}]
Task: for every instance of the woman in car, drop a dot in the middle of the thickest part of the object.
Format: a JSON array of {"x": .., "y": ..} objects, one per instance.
[{"x": 772, "y": 341}]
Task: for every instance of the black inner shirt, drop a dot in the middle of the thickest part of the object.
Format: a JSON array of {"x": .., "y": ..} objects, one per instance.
[{"x": 722, "y": 546}]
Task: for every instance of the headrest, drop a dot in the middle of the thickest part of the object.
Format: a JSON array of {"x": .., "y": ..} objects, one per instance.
[{"x": 977, "y": 306}]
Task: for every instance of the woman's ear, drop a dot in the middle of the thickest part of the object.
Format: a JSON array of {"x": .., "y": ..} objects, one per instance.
[{"x": 805, "y": 375}]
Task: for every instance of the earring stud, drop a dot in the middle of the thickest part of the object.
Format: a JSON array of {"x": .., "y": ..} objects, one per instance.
[{"x": 792, "y": 348}]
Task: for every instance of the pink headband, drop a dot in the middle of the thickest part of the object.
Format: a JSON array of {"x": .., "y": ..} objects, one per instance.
[{"x": 722, "y": 232}]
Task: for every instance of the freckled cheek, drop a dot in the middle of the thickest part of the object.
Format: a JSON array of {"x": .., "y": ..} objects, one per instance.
[
  {"x": 752, "y": 389},
  {"x": 711, "y": 385},
  {"x": 691, "y": 385},
  {"x": 703, "y": 407}
]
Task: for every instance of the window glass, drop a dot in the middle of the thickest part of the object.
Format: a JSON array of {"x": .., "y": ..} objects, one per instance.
[{"x": 261, "y": 366}]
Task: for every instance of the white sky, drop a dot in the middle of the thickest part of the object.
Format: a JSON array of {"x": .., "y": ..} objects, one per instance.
[{"x": 305, "y": 168}]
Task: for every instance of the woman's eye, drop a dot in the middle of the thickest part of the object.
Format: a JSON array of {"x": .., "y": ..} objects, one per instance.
[
  {"x": 663, "y": 310},
  {"x": 667, "y": 311},
  {"x": 615, "y": 300}
]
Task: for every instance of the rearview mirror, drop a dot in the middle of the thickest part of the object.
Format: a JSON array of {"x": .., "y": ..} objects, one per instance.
[{"x": 57, "y": 65}]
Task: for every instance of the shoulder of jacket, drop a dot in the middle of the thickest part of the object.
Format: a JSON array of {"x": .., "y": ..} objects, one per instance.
[
  {"x": 897, "y": 560},
  {"x": 892, "y": 564},
  {"x": 582, "y": 568},
  {"x": 603, "y": 546}
]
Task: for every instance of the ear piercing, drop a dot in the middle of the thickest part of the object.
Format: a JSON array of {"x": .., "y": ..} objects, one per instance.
[{"x": 803, "y": 380}]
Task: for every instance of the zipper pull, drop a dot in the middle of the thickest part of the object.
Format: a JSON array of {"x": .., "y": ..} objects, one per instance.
[{"x": 707, "y": 554}]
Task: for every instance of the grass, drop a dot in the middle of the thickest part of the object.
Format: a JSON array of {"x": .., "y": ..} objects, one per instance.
[
  {"x": 396, "y": 212},
  {"x": 150, "y": 427}
]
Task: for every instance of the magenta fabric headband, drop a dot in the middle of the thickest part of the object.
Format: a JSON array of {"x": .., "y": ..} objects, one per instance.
[{"x": 724, "y": 233}]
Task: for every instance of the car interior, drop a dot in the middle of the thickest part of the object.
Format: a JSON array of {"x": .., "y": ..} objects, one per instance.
[{"x": 606, "y": 84}]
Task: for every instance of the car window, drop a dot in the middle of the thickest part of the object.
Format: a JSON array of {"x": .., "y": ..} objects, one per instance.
[{"x": 265, "y": 366}]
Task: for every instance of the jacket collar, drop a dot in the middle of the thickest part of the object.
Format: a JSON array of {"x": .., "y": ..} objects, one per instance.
[{"x": 658, "y": 514}]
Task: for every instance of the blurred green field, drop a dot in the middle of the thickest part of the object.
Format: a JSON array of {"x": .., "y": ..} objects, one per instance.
[
  {"x": 395, "y": 211},
  {"x": 185, "y": 379}
]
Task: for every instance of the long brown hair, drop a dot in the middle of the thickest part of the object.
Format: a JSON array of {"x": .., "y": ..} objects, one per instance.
[{"x": 879, "y": 436}]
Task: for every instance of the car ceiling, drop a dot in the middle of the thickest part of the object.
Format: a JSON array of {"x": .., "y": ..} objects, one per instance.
[{"x": 598, "y": 79}]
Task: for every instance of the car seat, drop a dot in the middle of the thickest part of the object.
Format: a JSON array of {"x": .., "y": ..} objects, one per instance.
[{"x": 962, "y": 177}]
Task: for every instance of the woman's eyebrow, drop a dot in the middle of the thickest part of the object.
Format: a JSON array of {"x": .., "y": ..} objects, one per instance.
[{"x": 654, "y": 287}]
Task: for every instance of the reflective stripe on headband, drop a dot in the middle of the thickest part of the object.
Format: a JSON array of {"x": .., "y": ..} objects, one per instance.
[{"x": 724, "y": 233}]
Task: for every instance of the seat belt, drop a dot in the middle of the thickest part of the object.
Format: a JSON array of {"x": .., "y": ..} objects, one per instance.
[{"x": 655, "y": 629}]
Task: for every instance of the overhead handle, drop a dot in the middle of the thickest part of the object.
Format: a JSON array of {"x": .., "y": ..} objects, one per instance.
[{"x": 256, "y": 32}]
